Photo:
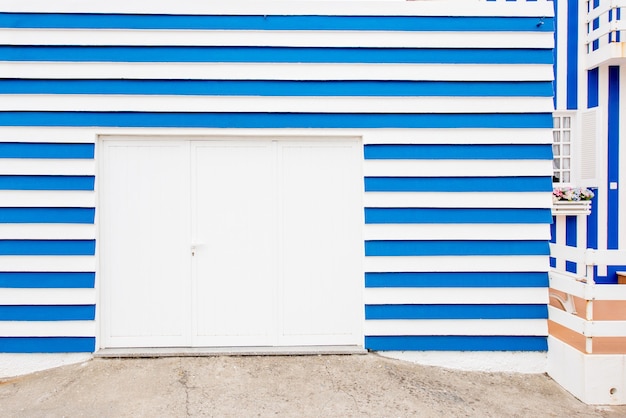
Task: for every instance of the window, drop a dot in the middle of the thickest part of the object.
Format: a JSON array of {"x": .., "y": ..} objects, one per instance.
[{"x": 562, "y": 147}]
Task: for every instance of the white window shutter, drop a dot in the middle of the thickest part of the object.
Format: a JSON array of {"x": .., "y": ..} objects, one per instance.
[{"x": 587, "y": 149}]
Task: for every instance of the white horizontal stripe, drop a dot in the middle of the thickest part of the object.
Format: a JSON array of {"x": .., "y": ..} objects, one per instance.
[
  {"x": 47, "y": 328},
  {"x": 47, "y": 297},
  {"x": 452, "y": 296},
  {"x": 47, "y": 231},
  {"x": 459, "y": 136},
  {"x": 370, "y": 136},
  {"x": 46, "y": 134},
  {"x": 455, "y": 263},
  {"x": 47, "y": 263},
  {"x": 457, "y": 327},
  {"x": 363, "y": 39},
  {"x": 47, "y": 198},
  {"x": 456, "y": 168},
  {"x": 458, "y": 200},
  {"x": 455, "y": 232},
  {"x": 277, "y": 71},
  {"x": 45, "y": 166},
  {"x": 103, "y": 103},
  {"x": 268, "y": 7}
]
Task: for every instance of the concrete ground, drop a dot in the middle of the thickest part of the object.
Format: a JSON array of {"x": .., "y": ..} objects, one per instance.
[{"x": 299, "y": 386}]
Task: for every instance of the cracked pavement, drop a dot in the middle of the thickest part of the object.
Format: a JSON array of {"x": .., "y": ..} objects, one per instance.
[{"x": 298, "y": 386}]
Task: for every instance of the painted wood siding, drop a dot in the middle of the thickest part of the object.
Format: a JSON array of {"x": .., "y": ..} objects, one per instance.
[
  {"x": 587, "y": 79},
  {"x": 454, "y": 112}
]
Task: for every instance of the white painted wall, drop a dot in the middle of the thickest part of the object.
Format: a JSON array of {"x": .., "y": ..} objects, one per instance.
[{"x": 19, "y": 364}]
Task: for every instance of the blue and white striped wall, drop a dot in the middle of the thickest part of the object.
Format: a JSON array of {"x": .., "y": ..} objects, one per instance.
[
  {"x": 453, "y": 102},
  {"x": 584, "y": 81}
]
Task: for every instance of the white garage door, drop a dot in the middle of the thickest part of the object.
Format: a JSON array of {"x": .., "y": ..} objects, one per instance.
[{"x": 231, "y": 243}]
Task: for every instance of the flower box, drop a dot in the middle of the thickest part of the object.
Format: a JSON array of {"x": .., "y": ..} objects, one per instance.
[
  {"x": 571, "y": 201},
  {"x": 567, "y": 207}
]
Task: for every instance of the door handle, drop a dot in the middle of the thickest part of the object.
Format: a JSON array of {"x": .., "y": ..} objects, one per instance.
[{"x": 194, "y": 247}]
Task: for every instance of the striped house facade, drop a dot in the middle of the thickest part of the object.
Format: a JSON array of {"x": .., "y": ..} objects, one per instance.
[
  {"x": 587, "y": 329},
  {"x": 589, "y": 90},
  {"x": 449, "y": 105}
]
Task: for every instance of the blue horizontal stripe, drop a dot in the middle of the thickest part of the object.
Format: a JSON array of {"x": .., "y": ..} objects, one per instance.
[
  {"x": 275, "y": 54},
  {"x": 279, "y": 87},
  {"x": 458, "y": 152},
  {"x": 456, "y": 216},
  {"x": 47, "y": 344},
  {"x": 47, "y": 215},
  {"x": 458, "y": 184},
  {"x": 45, "y": 150},
  {"x": 455, "y": 248},
  {"x": 47, "y": 247},
  {"x": 52, "y": 280},
  {"x": 456, "y": 312},
  {"x": 48, "y": 313},
  {"x": 273, "y": 22},
  {"x": 47, "y": 182},
  {"x": 454, "y": 279},
  {"x": 275, "y": 120},
  {"x": 456, "y": 343}
]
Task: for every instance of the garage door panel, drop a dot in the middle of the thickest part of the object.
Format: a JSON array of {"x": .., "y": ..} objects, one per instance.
[
  {"x": 232, "y": 242},
  {"x": 235, "y": 222},
  {"x": 321, "y": 219},
  {"x": 145, "y": 201}
]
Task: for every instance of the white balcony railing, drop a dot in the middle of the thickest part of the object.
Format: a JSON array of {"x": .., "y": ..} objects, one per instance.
[
  {"x": 587, "y": 327},
  {"x": 606, "y": 32}
]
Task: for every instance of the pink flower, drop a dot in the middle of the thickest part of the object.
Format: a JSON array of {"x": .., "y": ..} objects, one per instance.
[{"x": 571, "y": 194}]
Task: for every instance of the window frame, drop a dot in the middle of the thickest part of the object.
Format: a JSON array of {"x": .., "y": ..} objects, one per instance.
[{"x": 564, "y": 172}]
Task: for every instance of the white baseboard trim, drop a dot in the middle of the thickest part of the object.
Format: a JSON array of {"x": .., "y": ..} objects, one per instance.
[
  {"x": 12, "y": 365},
  {"x": 483, "y": 361}
]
